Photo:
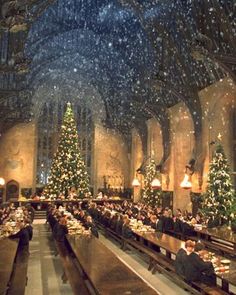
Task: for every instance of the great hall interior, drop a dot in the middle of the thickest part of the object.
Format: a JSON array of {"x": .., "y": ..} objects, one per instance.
[{"x": 117, "y": 147}]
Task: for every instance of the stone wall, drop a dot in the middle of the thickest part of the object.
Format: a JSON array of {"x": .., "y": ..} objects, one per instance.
[
  {"x": 17, "y": 155},
  {"x": 110, "y": 159},
  {"x": 182, "y": 142},
  {"x": 218, "y": 103}
]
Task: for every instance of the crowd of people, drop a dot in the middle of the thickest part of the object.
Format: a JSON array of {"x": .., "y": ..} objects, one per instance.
[
  {"x": 189, "y": 262},
  {"x": 57, "y": 219},
  {"x": 22, "y": 218},
  {"x": 161, "y": 219}
]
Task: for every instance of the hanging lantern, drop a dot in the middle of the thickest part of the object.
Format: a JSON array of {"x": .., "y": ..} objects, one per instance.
[
  {"x": 2, "y": 181},
  {"x": 156, "y": 183},
  {"x": 186, "y": 184},
  {"x": 135, "y": 182}
]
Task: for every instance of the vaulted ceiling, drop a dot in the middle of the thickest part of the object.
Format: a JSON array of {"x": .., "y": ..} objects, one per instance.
[{"x": 138, "y": 57}]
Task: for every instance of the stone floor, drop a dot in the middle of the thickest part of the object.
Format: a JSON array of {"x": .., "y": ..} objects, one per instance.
[{"x": 44, "y": 270}]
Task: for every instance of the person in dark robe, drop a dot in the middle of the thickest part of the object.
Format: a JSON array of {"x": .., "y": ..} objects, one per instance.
[
  {"x": 181, "y": 257},
  {"x": 198, "y": 270},
  {"x": 89, "y": 224},
  {"x": 126, "y": 230},
  {"x": 22, "y": 235},
  {"x": 60, "y": 230}
]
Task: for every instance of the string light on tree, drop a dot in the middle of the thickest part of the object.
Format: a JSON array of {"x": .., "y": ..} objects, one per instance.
[
  {"x": 219, "y": 198},
  {"x": 151, "y": 193},
  {"x": 68, "y": 169}
]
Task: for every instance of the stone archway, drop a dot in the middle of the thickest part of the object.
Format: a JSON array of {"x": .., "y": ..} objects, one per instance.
[{"x": 12, "y": 190}]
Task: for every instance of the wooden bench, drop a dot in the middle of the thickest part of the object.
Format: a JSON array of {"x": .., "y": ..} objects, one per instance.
[
  {"x": 109, "y": 232},
  {"x": 8, "y": 250},
  {"x": 19, "y": 276},
  {"x": 70, "y": 271}
]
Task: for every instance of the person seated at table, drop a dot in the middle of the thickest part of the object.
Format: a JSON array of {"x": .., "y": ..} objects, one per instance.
[
  {"x": 51, "y": 218},
  {"x": 212, "y": 222},
  {"x": 177, "y": 224},
  {"x": 146, "y": 220},
  {"x": 92, "y": 210},
  {"x": 31, "y": 211},
  {"x": 22, "y": 235},
  {"x": 29, "y": 227},
  {"x": 153, "y": 221},
  {"x": 114, "y": 221},
  {"x": 180, "y": 261},
  {"x": 107, "y": 219},
  {"x": 76, "y": 213},
  {"x": 119, "y": 224},
  {"x": 187, "y": 229},
  {"x": 126, "y": 230},
  {"x": 198, "y": 270},
  {"x": 60, "y": 230},
  {"x": 158, "y": 212},
  {"x": 168, "y": 223},
  {"x": 89, "y": 225},
  {"x": 82, "y": 216},
  {"x": 199, "y": 218}
]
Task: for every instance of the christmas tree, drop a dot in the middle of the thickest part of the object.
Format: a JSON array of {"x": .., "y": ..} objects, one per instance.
[
  {"x": 151, "y": 195},
  {"x": 68, "y": 169},
  {"x": 219, "y": 198}
]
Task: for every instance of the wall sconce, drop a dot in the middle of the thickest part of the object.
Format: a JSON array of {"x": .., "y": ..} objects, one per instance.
[
  {"x": 189, "y": 170},
  {"x": 136, "y": 182},
  {"x": 156, "y": 184},
  {"x": 2, "y": 181},
  {"x": 186, "y": 184}
]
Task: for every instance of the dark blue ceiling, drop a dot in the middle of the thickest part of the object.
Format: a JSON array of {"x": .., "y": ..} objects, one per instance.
[{"x": 129, "y": 50}]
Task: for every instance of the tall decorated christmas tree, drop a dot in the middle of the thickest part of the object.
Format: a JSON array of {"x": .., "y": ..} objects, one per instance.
[
  {"x": 68, "y": 169},
  {"x": 151, "y": 195},
  {"x": 219, "y": 197}
]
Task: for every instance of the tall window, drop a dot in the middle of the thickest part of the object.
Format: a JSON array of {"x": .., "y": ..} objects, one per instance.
[{"x": 49, "y": 126}]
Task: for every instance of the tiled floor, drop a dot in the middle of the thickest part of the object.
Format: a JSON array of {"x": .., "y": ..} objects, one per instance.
[{"x": 44, "y": 270}]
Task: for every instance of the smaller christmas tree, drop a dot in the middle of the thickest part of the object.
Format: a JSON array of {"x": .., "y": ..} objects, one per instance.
[
  {"x": 151, "y": 195},
  {"x": 219, "y": 198},
  {"x": 68, "y": 169}
]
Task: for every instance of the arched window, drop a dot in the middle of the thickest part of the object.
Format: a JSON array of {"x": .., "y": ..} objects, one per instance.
[{"x": 49, "y": 126}]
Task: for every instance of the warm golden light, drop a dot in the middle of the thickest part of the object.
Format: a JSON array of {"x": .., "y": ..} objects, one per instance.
[
  {"x": 186, "y": 184},
  {"x": 2, "y": 181},
  {"x": 135, "y": 182},
  {"x": 156, "y": 183}
]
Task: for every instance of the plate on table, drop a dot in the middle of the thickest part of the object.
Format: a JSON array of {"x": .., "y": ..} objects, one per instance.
[{"x": 225, "y": 261}]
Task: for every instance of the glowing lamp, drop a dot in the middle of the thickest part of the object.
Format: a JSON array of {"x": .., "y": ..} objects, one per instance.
[
  {"x": 2, "y": 181},
  {"x": 156, "y": 183},
  {"x": 186, "y": 184},
  {"x": 135, "y": 182}
]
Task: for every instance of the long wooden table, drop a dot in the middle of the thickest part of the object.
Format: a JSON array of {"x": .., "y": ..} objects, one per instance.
[
  {"x": 171, "y": 245},
  {"x": 8, "y": 249},
  {"x": 221, "y": 236},
  {"x": 104, "y": 270}
]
